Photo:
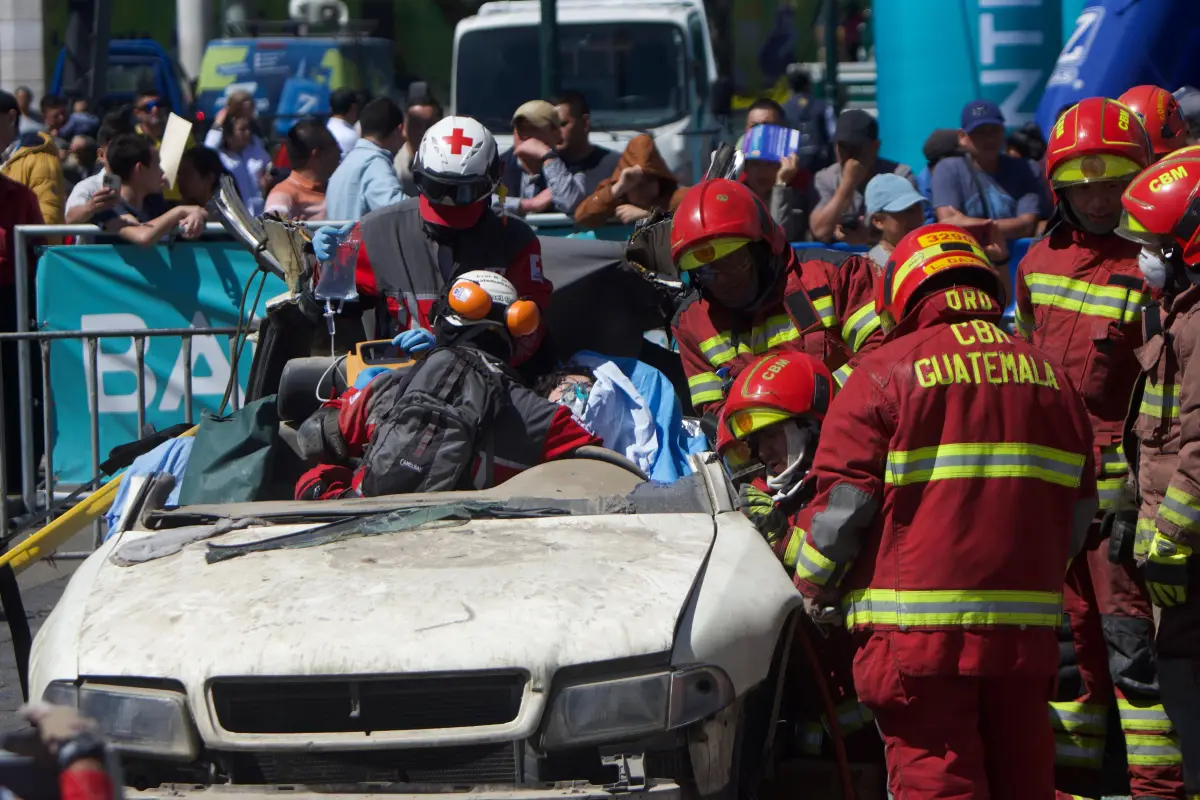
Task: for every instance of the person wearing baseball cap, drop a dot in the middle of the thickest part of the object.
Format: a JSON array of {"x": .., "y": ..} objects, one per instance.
[
  {"x": 894, "y": 209},
  {"x": 838, "y": 215},
  {"x": 985, "y": 183},
  {"x": 537, "y": 132}
]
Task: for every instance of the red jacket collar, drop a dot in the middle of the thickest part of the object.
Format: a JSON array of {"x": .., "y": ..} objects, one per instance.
[{"x": 941, "y": 308}]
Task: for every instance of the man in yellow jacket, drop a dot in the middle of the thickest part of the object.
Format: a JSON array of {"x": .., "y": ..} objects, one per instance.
[{"x": 35, "y": 162}]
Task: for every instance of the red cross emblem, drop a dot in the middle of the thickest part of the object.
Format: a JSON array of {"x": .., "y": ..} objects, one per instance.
[{"x": 457, "y": 141}]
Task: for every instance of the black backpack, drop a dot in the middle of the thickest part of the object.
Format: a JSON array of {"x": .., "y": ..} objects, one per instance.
[{"x": 432, "y": 424}]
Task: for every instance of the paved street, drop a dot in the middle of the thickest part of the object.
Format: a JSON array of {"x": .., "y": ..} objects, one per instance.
[{"x": 41, "y": 586}]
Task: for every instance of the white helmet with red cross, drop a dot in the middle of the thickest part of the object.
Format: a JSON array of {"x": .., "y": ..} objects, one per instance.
[{"x": 457, "y": 163}]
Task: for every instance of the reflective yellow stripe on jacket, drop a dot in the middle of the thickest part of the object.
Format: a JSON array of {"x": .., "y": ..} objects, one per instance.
[
  {"x": 1145, "y": 533},
  {"x": 824, "y": 307},
  {"x": 859, "y": 326},
  {"x": 1110, "y": 302},
  {"x": 705, "y": 387},
  {"x": 1113, "y": 472},
  {"x": 842, "y": 374},
  {"x": 984, "y": 460},
  {"x": 950, "y": 608},
  {"x": 808, "y": 562},
  {"x": 1180, "y": 508},
  {"x": 1024, "y": 324},
  {"x": 1082, "y": 718},
  {"x": 775, "y": 331},
  {"x": 1161, "y": 402}
]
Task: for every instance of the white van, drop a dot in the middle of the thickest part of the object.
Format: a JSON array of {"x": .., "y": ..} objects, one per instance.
[{"x": 644, "y": 68}]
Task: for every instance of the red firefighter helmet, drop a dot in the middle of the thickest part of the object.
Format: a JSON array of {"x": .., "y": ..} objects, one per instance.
[
  {"x": 1162, "y": 207},
  {"x": 1160, "y": 113},
  {"x": 1096, "y": 140},
  {"x": 774, "y": 389},
  {"x": 1191, "y": 151},
  {"x": 930, "y": 251},
  {"x": 717, "y": 217}
]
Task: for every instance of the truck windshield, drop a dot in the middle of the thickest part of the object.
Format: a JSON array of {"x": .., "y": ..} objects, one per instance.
[{"x": 632, "y": 74}]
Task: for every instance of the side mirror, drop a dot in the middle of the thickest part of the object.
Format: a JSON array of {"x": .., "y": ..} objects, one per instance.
[{"x": 722, "y": 97}]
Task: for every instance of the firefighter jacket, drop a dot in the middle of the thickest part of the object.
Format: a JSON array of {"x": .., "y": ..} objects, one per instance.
[
  {"x": 406, "y": 268},
  {"x": 954, "y": 484},
  {"x": 1079, "y": 299},
  {"x": 1164, "y": 426},
  {"x": 804, "y": 311}
]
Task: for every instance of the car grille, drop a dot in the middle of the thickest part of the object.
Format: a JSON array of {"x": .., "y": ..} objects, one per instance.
[
  {"x": 341, "y": 706},
  {"x": 471, "y": 764}
]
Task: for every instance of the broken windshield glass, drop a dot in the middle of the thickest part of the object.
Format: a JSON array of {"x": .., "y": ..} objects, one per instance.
[{"x": 395, "y": 521}]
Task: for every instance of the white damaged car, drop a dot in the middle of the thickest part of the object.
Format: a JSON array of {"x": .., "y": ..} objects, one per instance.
[{"x": 575, "y": 632}]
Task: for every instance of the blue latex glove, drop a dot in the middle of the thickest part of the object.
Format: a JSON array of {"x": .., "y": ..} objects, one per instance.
[
  {"x": 417, "y": 340},
  {"x": 326, "y": 239},
  {"x": 367, "y": 375}
]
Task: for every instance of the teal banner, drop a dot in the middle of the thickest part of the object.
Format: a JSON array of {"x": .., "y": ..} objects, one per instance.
[
  {"x": 123, "y": 287},
  {"x": 934, "y": 56}
]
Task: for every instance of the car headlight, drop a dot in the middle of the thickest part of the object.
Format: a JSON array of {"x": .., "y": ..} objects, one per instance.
[
  {"x": 623, "y": 708},
  {"x": 134, "y": 719}
]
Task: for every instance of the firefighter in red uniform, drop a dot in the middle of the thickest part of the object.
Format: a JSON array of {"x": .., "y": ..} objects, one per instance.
[
  {"x": 752, "y": 293},
  {"x": 1162, "y": 207},
  {"x": 954, "y": 483},
  {"x": 1160, "y": 114},
  {"x": 771, "y": 422},
  {"x": 1080, "y": 298}
]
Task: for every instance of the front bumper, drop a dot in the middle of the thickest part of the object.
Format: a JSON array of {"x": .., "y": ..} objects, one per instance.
[{"x": 660, "y": 790}]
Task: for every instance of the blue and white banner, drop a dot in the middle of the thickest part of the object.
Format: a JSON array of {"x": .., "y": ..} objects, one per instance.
[{"x": 124, "y": 287}]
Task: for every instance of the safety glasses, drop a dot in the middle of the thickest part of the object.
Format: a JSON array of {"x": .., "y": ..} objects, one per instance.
[{"x": 459, "y": 194}]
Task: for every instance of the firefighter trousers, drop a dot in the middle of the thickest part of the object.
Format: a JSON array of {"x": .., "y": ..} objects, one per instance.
[
  {"x": 960, "y": 737},
  {"x": 1112, "y": 630}
]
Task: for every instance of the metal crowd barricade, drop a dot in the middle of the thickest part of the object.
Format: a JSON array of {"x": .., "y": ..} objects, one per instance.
[
  {"x": 91, "y": 344},
  {"x": 33, "y": 495}
]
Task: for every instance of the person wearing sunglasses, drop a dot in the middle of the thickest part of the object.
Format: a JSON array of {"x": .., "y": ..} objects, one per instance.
[
  {"x": 413, "y": 249},
  {"x": 753, "y": 294},
  {"x": 151, "y": 113}
]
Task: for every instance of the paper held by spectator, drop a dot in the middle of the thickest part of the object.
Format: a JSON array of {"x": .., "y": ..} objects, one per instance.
[
  {"x": 770, "y": 142},
  {"x": 174, "y": 142}
]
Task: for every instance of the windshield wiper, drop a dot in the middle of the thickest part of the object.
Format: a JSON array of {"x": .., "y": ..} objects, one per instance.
[{"x": 403, "y": 519}]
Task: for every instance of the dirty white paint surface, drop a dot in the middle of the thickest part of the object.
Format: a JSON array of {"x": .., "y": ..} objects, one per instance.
[{"x": 532, "y": 595}]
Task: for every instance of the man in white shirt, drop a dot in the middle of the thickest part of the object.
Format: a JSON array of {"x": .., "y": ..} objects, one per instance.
[{"x": 343, "y": 107}]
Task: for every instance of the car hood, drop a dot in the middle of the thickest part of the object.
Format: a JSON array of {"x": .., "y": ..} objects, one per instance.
[{"x": 533, "y": 594}]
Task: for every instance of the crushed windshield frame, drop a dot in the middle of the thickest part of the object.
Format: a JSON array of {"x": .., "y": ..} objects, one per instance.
[{"x": 484, "y": 103}]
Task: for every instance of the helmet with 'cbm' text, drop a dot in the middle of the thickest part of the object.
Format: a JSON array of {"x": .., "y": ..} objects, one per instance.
[
  {"x": 1160, "y": 113},
  {"x": 1162, "y": 208},
  {"x": 1096, "y": 140}
]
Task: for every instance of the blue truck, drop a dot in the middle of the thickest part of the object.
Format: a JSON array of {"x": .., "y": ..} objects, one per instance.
[{"x": 134, "y": 65}]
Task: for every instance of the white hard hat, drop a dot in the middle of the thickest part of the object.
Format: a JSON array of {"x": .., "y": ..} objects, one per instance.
[
  {"x": 487, "y": 299},
  {"x": 457, "y": 163}
]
